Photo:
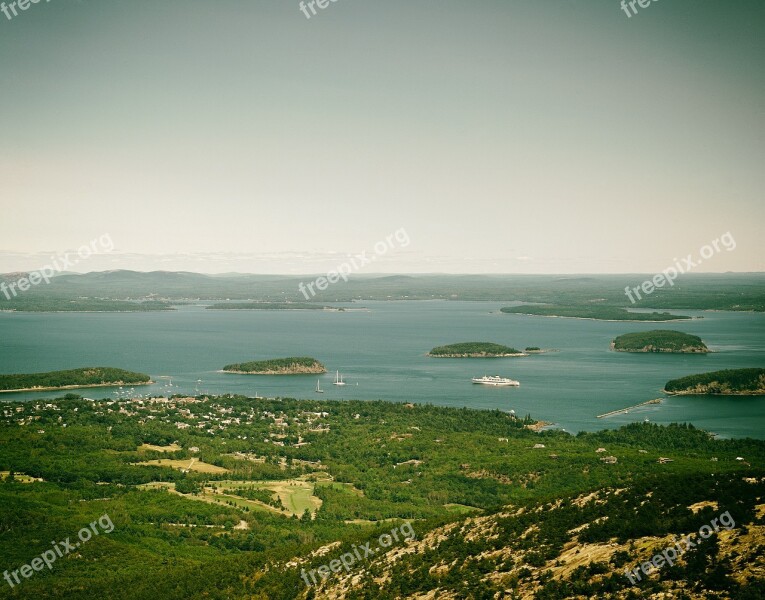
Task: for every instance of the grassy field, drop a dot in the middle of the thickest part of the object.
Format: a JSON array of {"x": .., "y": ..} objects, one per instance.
[
  {"x": 296, "y": 495},
  {"x": 192, "y": 464},
  {"x": 149, "y": 447},
  {"x": 20, "y": 477}
]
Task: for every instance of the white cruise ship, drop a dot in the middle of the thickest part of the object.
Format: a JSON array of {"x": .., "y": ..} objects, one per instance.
[{"x": 495, "y": 380}]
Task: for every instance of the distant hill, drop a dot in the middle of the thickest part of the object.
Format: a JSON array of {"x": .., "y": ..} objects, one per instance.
[{"x": 586, "y": 293}]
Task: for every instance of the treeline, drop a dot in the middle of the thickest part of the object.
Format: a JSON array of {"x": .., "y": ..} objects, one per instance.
[{"x": 84, "y": 376}]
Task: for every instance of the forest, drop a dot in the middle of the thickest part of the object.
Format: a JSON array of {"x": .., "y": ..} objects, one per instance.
[
  {"x": 198, "y": 487},
  {"x": 725, "y": 382},
  {"x": 86, "y": 376}
]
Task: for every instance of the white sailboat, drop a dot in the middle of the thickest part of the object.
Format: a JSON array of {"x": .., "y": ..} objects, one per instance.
[
  {"x": 338, "y": 379},
  {"x": 318, "y": 387}
]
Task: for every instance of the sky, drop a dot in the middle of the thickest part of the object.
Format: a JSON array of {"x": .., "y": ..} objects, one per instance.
[{"x": 515, "y": 136}]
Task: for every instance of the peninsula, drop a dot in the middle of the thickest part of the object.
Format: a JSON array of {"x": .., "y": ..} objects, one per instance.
[
  {"x": 474, "y": 350},
  {"x": 730, "y": 382},
  {"x": 73, "y": 378},
  {"x": 660, "y": 340},
  {"x": 295, "y": 365}
]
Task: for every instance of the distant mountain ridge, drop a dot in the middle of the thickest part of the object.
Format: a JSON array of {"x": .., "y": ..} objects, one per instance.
[{"x": 698, "y": 292}]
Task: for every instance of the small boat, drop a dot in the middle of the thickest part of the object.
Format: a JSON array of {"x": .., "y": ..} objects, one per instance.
[
  {"x": 496, "y": 381},
  {"x": 338, "y": 379},
  {"x": 318, "y": 388}
]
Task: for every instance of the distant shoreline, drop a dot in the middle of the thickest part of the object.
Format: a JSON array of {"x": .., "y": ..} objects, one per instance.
[
  {"x": 604, "y": 320},
  {"x": 75, "y": 387},
  {"x": 475, "y": 355}
]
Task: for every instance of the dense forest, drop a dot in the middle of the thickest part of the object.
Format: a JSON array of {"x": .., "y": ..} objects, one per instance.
[
  {"x": 230, "y": 497},
  {"x": 278, "y": 366},
  {"x": 729, "y": 381},
  {"x": 474, "y": 349},
  {"x": 87, "y": 376},
  {"x": 659, "y": 340}
]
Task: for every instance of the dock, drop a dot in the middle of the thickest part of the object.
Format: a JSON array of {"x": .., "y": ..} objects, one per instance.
[{"x": 629, "y": 408}]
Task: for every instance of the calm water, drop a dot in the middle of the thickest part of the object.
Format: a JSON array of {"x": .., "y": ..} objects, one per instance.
[{"x": 381, "y": 354}]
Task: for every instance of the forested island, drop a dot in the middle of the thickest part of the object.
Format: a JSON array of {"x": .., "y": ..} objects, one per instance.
[
  {"x": 660, "y": 340},
  {"x": 73, "y": 378},
  {"x": 294, "y": 365},
  {"x": 598, "y": 313},
  {"x": 729, "y": 382},
  {"x": 474, "y": 350}
]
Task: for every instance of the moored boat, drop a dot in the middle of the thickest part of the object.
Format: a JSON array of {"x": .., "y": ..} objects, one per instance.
[{"x": 496, "y": 380}]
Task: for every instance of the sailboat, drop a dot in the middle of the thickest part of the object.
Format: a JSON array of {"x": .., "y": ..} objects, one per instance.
[
  {"x": 338, "y": 379},
  {"x": 318, "y": 388}
]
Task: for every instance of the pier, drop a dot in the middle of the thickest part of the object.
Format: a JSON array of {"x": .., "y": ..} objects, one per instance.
[{"x": 629, "y": 408}]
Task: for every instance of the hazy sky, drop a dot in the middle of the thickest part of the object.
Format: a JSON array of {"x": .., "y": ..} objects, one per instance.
[{"x": 512, "y": 136}]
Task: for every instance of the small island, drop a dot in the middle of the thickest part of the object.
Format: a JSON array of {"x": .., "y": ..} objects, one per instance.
[
  {"x": 660, "y": 340},
  {"x": 295, "y": 365},
  {"x": 70, "y": 379},
  {"x": 597, "y": 313},
  {"x": 730, "y": 382},
  {"x": 474, "y": 350}
]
